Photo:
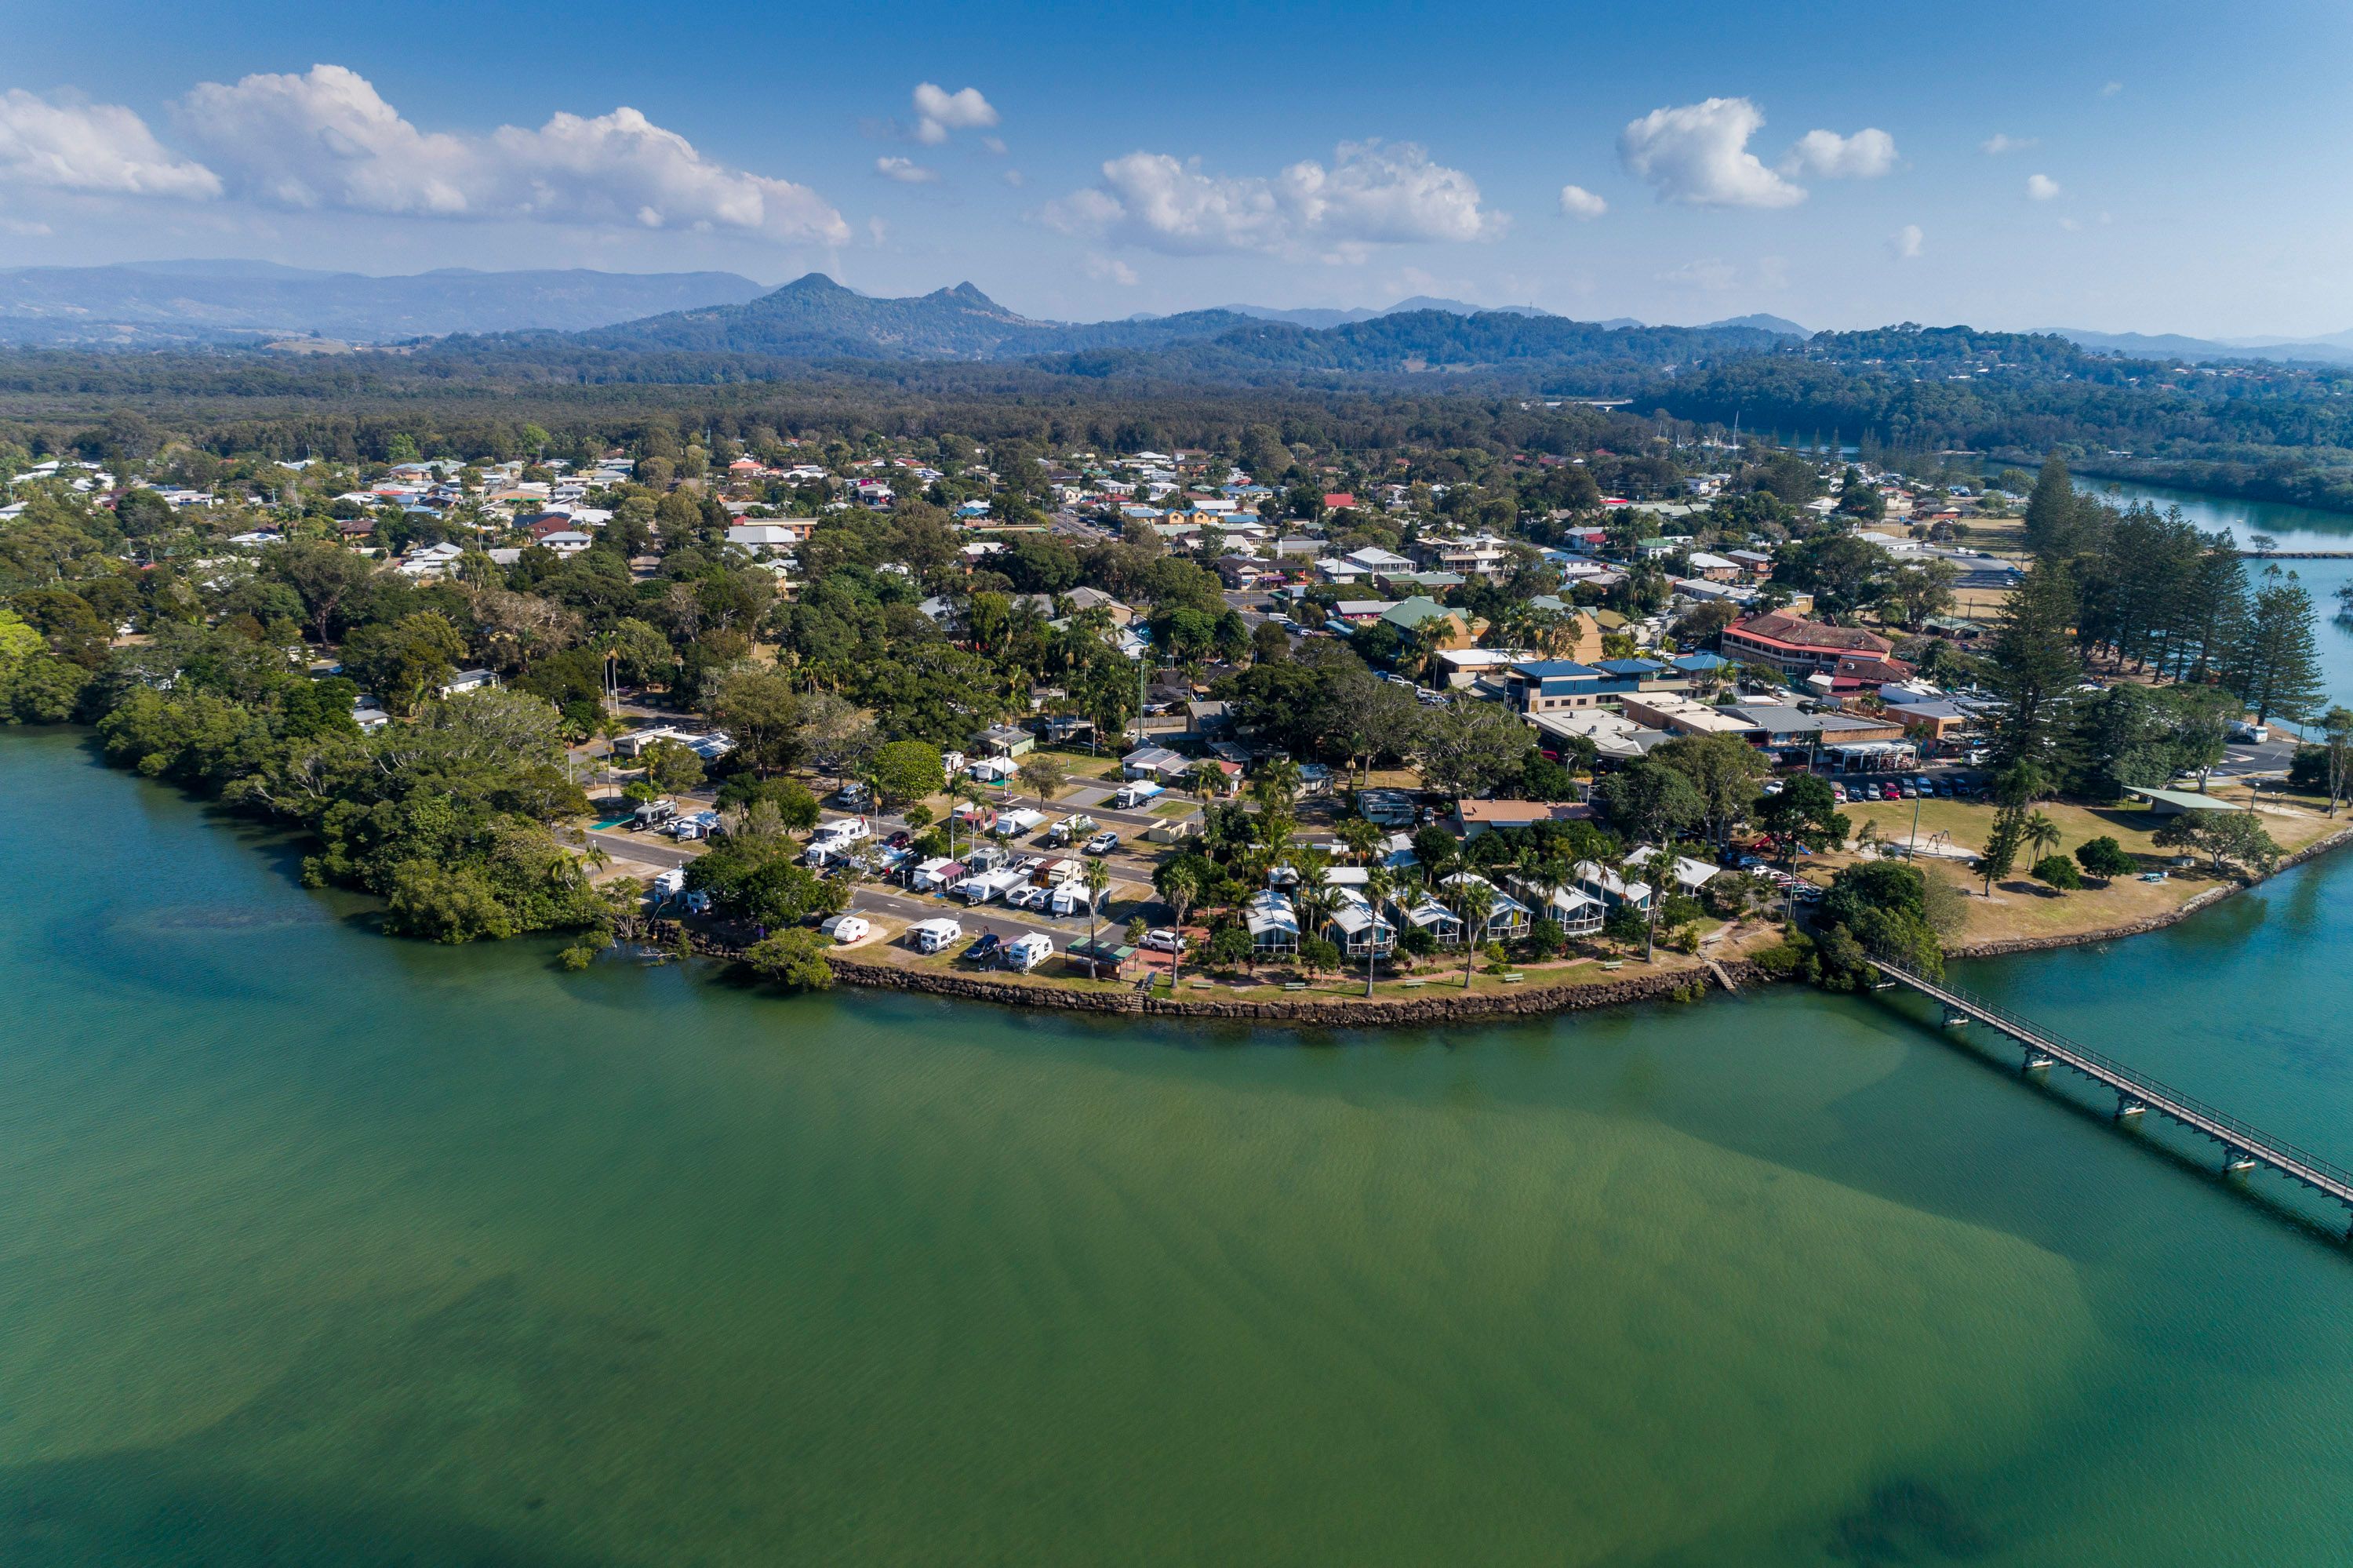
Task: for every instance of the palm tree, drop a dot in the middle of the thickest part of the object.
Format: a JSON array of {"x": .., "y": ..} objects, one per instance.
[
  {"x": 1359, "y": 836},
  {"x": 1096, "y": 879},
  {"x": 1179, "y": 889},
  {"x": 1547, "y": 877},
  {"x": 1313, "y": 898},
  {"x": 966, "y": 792},
  {"x": 1476, "y": 899},
  {"x": 2042, "y": 833},
  {"x": 1378, "y": 885}
]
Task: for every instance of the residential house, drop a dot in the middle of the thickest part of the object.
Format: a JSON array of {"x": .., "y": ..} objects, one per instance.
[
  {"x": 1359, "y": 929},
  {"x": 1688, "y": 876},
  {"x": 1577, "y": 912},
  {"x": 1273, "y": 923},
  {"x": 1474, "y": 817},
  {"x": 1427, "y": 913},
  {"x": 772, "y": 536},
  {"x": 1156, "y": 764},
  {"x": 1615, "y": 891},
  {"x": 1449, "y": 628},
  {"x": 1507, "y": 919},
  {"x": 1003, "y": 740}
]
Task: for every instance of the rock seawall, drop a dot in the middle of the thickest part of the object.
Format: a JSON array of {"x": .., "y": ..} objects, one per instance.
[{"x": 1320, "y": 1011}]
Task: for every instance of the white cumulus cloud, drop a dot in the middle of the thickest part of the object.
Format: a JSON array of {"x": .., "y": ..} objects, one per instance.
[
  {"x": 1577, "y": 202},
  {"x": 1905, "y": 241},
  {"x": 938, "y": 112},
  {"x": 1995, "y": 145},
  {"x": 1865, "y": 155},
  {"x": 1111, "y": 269},
  {"x": 328, "y": 139},
  {"x": 1698, "y": 154},
  {"x": 906, "y": 171},
  {"x": 101, "y": 148},
  {"x": 1372, "y": 193},
  {"x": 2041, "y": 187}
]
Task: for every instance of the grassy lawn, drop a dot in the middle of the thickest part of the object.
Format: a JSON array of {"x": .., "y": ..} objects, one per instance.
[
  {"x": 1965, "y": 823},
  {"x": 1175, "y": 808},
  {"x": 2020, "y": 908}
]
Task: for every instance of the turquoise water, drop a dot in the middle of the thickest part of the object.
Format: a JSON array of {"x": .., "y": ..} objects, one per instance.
[{"x": 321, "y": 1248}]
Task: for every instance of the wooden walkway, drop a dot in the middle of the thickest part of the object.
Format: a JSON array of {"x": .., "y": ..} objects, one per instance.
[{"x": 2243, "y": 1146}]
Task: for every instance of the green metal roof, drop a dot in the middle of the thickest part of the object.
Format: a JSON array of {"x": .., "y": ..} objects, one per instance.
[{"x": 2181, "y": 800}]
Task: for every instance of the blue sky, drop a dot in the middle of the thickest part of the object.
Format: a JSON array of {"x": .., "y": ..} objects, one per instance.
[{"x": 2160, "y": 167}]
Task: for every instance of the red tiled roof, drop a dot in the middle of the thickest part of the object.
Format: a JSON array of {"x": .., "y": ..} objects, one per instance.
[{"x": 1796, "y": 632}]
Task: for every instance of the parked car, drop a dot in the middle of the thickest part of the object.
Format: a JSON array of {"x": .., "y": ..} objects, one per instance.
[
  {"x": 1102, "y": 843},
  {"x": 1164, "y": 940},
  {"x": 900, "y": 840},
  {"x": 983, "y": 949}
]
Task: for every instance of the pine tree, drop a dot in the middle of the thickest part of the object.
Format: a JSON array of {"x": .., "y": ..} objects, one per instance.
[
  {"x": 2035, "y": 664},
  {"x": 2215, "y": 616},
  {"x": 2276, "y": 666},
  {"x": 2050, "y": 510}
]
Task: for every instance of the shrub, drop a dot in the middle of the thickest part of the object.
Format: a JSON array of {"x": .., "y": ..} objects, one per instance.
[
  {"x": 2059, "y": 871},
  {"x": 793, "y": 957},
  {"x": 2103, "y": 856}
]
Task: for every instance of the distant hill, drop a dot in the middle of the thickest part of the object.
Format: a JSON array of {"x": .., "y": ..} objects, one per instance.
[
  {"x": 1527, "y": 351},
  {"x": 1781, "y": 325},
  {"x": 156, "y": 303},
  {"x": 1312, "y": 316},
  {"x": 816, "y": 318},
  {"x": 2338, "y": 350}
]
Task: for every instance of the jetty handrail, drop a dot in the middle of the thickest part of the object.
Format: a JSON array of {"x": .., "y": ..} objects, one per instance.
[{"x": 2128, "y": 1079}]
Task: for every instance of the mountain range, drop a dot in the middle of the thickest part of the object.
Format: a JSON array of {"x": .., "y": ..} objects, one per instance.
[
  {"x": 2337, "y": 349},
  {"x": 813, "y": 317},
  {"x": 157, "y": 304},
  {"x": 160, "y": 303}
]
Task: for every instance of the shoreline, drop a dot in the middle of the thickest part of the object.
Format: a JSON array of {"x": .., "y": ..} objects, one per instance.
[
  {"x": 1734, "y": 975},
  {"x": 2141, "y": 927},
  {"x": 1338, "y": 1012}
]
